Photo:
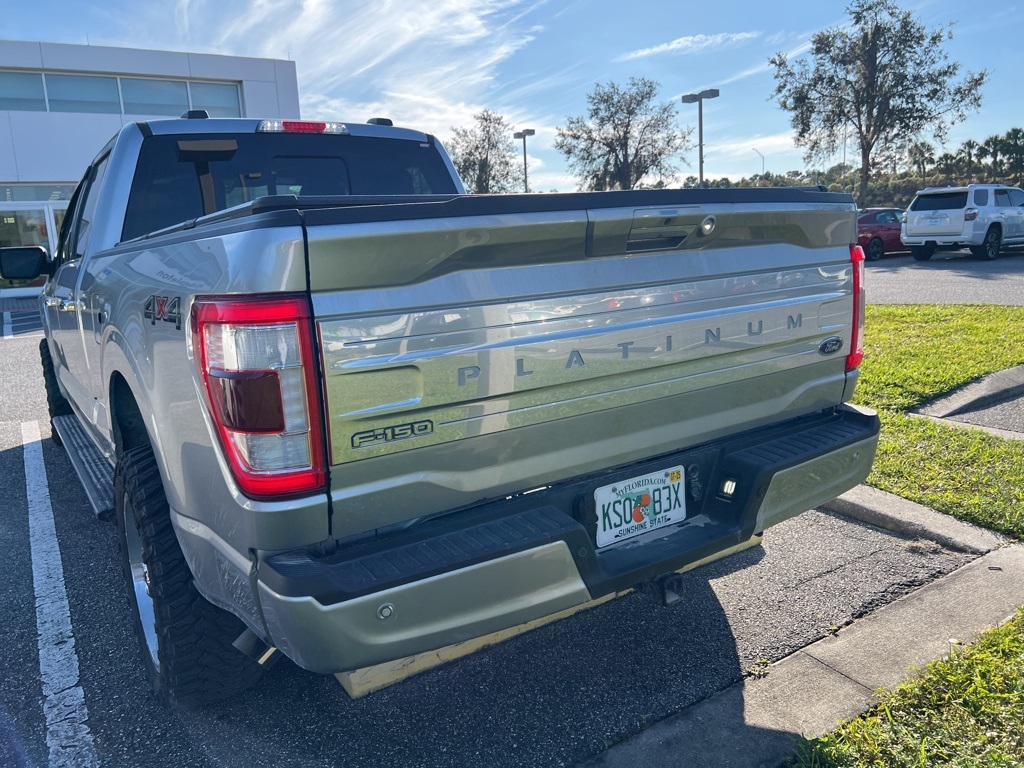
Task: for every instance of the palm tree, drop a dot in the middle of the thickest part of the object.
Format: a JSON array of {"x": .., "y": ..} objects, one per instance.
[
  {"x": 921, "y": 153},
  {"x": 947, "y": 164},
  {"x": 1013, "y": 151},
  {"x": 967, "y": 154},
  {"x": 992, "y": 147}
]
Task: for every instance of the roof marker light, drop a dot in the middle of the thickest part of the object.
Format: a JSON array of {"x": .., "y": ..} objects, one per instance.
[{"x": 300, "y": 126}]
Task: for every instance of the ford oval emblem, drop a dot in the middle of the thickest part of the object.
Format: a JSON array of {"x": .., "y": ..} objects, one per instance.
[{"x": 831, "y": 345}]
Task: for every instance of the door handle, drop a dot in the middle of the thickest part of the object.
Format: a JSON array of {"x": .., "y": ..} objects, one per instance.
[
  {"x": 51, "y": 301},
  {"x": 69, "y": 305}
]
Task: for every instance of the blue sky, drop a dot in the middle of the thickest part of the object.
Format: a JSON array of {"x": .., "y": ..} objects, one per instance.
[{"x": 432, "y": 64}]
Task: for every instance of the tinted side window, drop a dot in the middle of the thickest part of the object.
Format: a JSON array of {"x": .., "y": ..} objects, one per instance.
[
  {"x": 179, "y": 178},
  {"x": 981, "y": 197},
  {"x": 66, "y": 227},
  {"x": 1016, "y": 197},
  {"x": 1002, "y": 198},
  {"x": 83, "y": 229},
  {"x": 941, "y": 201}
]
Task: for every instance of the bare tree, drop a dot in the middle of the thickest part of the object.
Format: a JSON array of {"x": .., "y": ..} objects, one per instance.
[
  {"x": 884, "y": 77},
  {"x": 486, "y": 155},
  {"x": 627, "y": 139}
]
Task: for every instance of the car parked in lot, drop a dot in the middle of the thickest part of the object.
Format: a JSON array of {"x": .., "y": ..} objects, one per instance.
[
  {"x": 982, "y": 217},
  {"x": 878, "y": 231}
]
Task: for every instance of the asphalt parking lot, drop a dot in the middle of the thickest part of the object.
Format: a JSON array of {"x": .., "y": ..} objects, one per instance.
[{"x": 560, "y": 695}]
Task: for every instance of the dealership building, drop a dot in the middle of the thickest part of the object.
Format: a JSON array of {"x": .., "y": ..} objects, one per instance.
[{"x": 59, "y": 104}]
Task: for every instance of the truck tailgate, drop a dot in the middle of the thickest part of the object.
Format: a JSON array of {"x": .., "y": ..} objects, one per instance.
[{"x": 475, "y": 356}]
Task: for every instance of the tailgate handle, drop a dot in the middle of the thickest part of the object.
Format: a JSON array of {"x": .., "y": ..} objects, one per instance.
[{"x": 659, "y": 229}]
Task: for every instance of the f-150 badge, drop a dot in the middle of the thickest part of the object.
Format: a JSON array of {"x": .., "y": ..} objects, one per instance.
[{"x": 392, "y": 433}]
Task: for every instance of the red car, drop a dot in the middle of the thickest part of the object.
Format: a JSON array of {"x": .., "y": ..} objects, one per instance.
[{"x": 878, "y": 231}]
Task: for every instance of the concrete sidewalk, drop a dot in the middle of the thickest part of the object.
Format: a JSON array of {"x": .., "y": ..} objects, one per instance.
[{"x": 758, "y": 721}]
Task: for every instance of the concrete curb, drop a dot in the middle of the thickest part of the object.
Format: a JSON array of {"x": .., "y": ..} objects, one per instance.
[
  {"x": 757, "y": 723},
  {"x": 894, "y": 513},
  {"x": 981, "y": 393},
  {"x": 1004, "y": 434}
]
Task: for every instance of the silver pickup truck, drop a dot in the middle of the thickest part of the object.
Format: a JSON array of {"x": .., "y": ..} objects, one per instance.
[{"x": 340, "y": 409}]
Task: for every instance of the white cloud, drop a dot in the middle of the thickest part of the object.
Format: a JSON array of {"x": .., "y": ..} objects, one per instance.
[
  {"x": 765, "y": 66},
  {"x": 777, "y": 144},
  {"x": 431, "y": 69},
  {"x": 560, "y": 182},
  {"x": 692, "y": 44}
]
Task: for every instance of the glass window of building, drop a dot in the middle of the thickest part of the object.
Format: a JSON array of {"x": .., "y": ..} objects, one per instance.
[
  {"x": 19, "y": 193},
  {"x": 218, "y": 99},
  {"x": 22, "y": 91},
  {"x": 154, "y": 97},
  {"x": 82, "y": 93}
]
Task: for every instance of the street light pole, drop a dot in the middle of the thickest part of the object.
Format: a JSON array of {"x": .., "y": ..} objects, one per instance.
[
  {"x": 762, "y": 162},
  {"x": 522, "y": 135},
  {"x": 690, "y": 98}
]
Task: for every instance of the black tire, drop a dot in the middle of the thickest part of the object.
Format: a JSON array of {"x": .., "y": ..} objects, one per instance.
[
  {"x": 922, "y": 252},
  {"x": 186, "y": 641},
  {"x": 875, "y": 249},
  {"x": 989, "y": 248},
  {"x": 56, "y": 403}
]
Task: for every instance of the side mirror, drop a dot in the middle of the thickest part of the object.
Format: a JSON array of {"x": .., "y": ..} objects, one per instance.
[{"x": 24, "y": 262}]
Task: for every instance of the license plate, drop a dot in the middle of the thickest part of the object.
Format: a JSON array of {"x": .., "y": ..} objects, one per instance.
[{"x": 639, "y": 505}]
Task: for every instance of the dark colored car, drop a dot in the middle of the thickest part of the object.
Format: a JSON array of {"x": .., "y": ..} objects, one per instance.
[{"x": 878, "y": 231}]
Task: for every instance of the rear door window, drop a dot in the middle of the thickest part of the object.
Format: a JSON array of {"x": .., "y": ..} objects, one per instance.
[
  {"x": 940, "y": 201},
  {"x": 1016, "y": 197},
  {"x": 179, "y": 178},
  {"x": 1002, "y": 198}
]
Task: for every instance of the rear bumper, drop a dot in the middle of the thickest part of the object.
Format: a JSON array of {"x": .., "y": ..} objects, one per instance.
[
  {"x": 969, "y": 236},
  {"x": 511, "y": 561}
]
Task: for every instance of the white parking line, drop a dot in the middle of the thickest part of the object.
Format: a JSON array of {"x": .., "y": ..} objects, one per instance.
[
  {"x": 67, "y": 733},
  {"x": 7, "y": 325}
]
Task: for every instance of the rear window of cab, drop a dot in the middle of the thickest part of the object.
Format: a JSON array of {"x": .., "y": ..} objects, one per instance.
[
  {"x": 181, "y": 177},
  {"x": 940, "y": 201}
]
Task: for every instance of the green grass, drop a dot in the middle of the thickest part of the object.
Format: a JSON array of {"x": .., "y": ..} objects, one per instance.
[
  {"x": 915, "y": 354},
  {"x": 966, "y": 473},
  {"x": 967, "y": 710}
]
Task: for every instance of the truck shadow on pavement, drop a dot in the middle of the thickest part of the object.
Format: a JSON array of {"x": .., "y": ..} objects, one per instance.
[{"x": 560, "y": 695}]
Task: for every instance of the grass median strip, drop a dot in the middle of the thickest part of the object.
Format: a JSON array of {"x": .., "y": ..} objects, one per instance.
[
  {"x": 968, "y": 709},
  {"x": 915, "y": 354}
]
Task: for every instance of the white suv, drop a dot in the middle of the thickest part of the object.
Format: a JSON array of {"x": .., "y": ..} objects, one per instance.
[{"x": 980, "y": 216}]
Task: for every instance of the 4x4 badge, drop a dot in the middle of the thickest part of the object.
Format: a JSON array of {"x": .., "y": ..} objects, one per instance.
[{"x": 166, "y": 308}]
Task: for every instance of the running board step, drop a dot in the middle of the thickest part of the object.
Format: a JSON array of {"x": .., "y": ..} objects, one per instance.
[{"x": 93, "y": 470}]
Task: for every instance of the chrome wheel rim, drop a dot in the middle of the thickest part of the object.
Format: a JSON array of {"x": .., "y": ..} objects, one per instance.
[{"x": 140, "y": 582}]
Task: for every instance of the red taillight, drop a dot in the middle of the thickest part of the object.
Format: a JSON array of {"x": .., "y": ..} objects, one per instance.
[
  {"x": 255, "y": 358},
  {"x": 857, "y": 327},
  {"x": 303, "y": 126},
  {"x": 970, "y": 214}
]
